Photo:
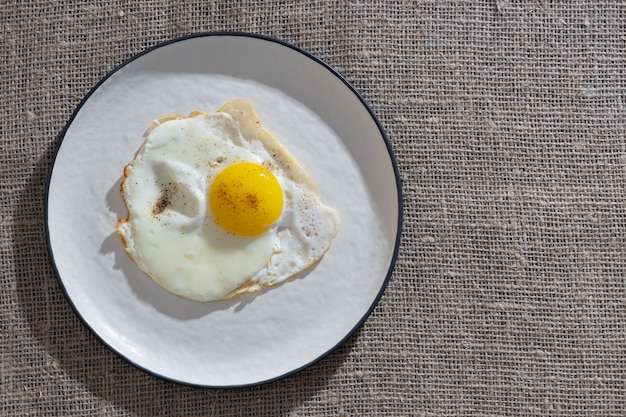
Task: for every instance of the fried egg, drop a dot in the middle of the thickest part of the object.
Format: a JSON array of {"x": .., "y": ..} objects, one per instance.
[{"x": 218, "y": 207}]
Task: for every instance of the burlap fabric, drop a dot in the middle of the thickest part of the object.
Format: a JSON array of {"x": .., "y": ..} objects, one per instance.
[{"x": 508, "y": 120}]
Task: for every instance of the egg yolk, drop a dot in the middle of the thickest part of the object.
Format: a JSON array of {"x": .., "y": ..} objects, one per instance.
[{"x": 246, "y": 198}]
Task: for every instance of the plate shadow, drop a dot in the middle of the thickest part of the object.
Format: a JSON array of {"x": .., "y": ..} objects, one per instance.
[{"x": 55, "y": 325}]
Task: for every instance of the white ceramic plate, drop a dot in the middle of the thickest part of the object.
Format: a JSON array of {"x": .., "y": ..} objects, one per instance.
[{"x": 255, "y": 338}]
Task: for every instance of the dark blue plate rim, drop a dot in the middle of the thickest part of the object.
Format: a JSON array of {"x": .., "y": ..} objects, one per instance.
[{"x": 365, "y": 104}]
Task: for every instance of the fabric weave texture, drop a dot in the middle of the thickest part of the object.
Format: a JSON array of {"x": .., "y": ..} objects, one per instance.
[{"x": 508, "y": 122}]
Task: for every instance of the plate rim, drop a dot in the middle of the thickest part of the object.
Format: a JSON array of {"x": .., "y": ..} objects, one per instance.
[{"x": 334, "y": 72}]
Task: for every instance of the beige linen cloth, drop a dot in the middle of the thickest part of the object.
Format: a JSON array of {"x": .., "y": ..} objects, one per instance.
[{"x": 508, "y": 120}]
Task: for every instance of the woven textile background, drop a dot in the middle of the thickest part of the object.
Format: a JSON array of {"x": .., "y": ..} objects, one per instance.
[{"x": 508, "y": 120}]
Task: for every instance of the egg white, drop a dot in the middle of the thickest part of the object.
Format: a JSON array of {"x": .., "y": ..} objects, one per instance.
[{"x": 171, "y": 235}]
